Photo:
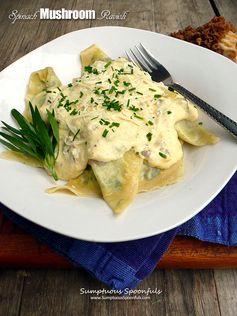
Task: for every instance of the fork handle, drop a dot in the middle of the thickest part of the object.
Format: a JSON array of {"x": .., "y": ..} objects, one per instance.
[{"x": 219, "y": 117}]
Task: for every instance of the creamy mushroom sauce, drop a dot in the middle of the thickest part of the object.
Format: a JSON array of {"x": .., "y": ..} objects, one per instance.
[{"x": 112, "y": 108}]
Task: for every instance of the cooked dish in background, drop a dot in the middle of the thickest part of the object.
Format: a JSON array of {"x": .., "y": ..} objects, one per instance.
[
  {"x": 218, "y": 35},
  {"x": 113, "y": 132}
]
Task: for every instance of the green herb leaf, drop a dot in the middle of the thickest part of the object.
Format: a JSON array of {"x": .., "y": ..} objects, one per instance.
[
  {"x": 34, "y": 139},
  {"x": 54, "y": 125}
]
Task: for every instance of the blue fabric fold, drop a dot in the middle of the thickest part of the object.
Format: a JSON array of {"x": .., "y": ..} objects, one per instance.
[
  {"x": 217, "y": 223},
  {"x": 119, "y": 265},
  {"x": 124, "y": 265}
]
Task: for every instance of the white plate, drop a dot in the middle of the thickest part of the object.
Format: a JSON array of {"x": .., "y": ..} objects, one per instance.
[{"x": 209, "y": 75}]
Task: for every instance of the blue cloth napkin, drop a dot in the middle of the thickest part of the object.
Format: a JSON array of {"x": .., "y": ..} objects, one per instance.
[{"x": 125, "y": 264}]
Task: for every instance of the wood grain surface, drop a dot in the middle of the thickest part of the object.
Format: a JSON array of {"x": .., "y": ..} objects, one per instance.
[{"x": 57, "y": 292}]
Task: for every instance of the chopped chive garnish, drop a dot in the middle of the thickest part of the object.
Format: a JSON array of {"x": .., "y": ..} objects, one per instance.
[
  {"x": 150, "y": 122},
  {"x": 200, "y": 123},
  {"x": 59, "y": 89},
  {"x": 119, "y": 92},
  {"x": 114, "y": 124},
  {"x": 149, "y": 136},
  {"x": 133, "y": 108},
  {"x": 156, "y": 96},
  {"x": 152, "y": 89},
  {"x": 49, "y": 101},
  {"x": 138, "y": 92},
  {"x": 116, "y": 82},
  {"x": 171, "y": 89},
  {"x": 169, "y": 112},
  {"x": 69, "y": 85},
  {"x": 105, "y": 132},
  {"x": 125, "y": 73},
  {"x": 112, "y": 105},
  {"x": 112, "y": 89},
  {"x": 48, "y": 91},
  {"x": 126, "y": 83},
  {"x": 94, "y": 118},
  {"x": 137, "y": 116},
  {"x": 81, "y": 94},
  {"x": 74, "y": 112},
  {"x": 92, "y": 100},
  {"x": 90, "y": 70},
  {"x": 162, "y": 155},
  {"x": 131, "y": 89},
  {"x": 109, "y": 80},
  {"x": 97, "y": 91},
  {"x": 130, "y": 66},
  {"x": 98, "y": 82},
  {"x": 108, "y": 64},
  {"x": 128, "y": 103},
  {"x": 104, "y": 122}
]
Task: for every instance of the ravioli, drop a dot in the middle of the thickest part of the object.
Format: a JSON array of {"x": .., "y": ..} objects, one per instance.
[
  {"x": 70, "y": 163},
  {"x": 85, "y": 185},
  {"x": 154, "y": 178},
  {"x": 40, "y": 81},
  {"x": 91, "y": 54},
  {"x": 194, "y": 134},
  {"x": 118, "y": 179}
]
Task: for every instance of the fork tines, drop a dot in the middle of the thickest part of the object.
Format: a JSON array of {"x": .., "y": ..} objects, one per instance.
[{"x": 140, "y": 56}]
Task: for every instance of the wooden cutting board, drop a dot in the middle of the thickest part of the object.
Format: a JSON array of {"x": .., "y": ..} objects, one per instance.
[{"x": 20, "y": 250}]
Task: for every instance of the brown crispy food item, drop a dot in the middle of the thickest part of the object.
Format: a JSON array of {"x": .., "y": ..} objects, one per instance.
[{"x": 217, "y": 35}]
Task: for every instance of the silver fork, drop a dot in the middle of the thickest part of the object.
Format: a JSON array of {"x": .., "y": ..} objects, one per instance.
[{"x": 145, "y": 60}]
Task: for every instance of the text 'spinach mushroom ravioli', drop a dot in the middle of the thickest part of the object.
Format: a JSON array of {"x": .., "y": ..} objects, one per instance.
[{"x": 120, "y": 133}]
